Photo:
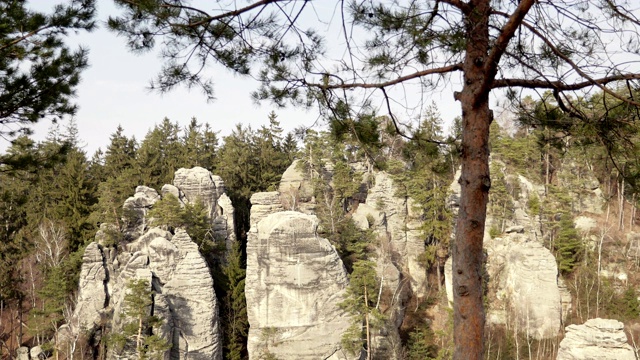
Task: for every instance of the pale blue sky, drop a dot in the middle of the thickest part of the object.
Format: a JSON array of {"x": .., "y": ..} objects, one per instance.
[{"x": 114, "y": 91}]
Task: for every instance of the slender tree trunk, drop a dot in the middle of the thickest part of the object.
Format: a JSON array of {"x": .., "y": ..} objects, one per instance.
[
  {"x": 366, "y": 321},
  {"x": 139, "y": 340},
  {"x": 467, "y": 253},
  {"x": 621, "y": 205}
]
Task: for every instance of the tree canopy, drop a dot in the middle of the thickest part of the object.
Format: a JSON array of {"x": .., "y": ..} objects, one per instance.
[
  {"x": 478, "y": 45},
  {"x": 38, "y": 71}
]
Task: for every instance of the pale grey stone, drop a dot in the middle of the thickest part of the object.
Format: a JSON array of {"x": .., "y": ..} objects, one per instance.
[
  {"x": 22, "y": 353},
  {"x": 92, "y": 290},
  {"x": 524, "y": 286},
  {"x": 136, "y": 208},
  {"x": 596, "y": 339},
  {"x": 294, "y": 282},
  {"x": 264, "y": 204},
  {"x": 585, "y": 224},
  {"x": 193, "y": 304},
  {"x": 296, "y": 190},
  {"x": 171, "y": 189},
  {"x": 515, "y": 229},
  {"x": 395, "y": 219}
]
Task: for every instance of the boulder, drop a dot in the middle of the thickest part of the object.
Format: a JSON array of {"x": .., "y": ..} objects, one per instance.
[
  {"x": 596, "y": 339},
  {"x": 199, "y": 184},
  {"x": 294, "y": 282},
  {"x": 22, "y": 353},
  {"x": 296, "y": 190},
  {"x": 264, "y": 204}
]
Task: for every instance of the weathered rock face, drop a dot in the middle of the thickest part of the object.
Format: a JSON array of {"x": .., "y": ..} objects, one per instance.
[
  {"x": 294, "y": 282},
  {"x": 522, "y": 274},
  {"x": 395, "y": 218},
  {"x": 523, "y": 286},
  {"x": 92, "y": 297},
  {"x": 177, "y": 273},
  {"x": 179, "y": 276},
  {"x": 136, "y": 208},
  {"x": 527, "y": 290},
  {"x": 400, "y": 241},
  {"x": 596, "y": 339},
  {"x": 199, "y": 184},
  {"x": 264, "y": 204},
  {"x": 296, "y": 192}
]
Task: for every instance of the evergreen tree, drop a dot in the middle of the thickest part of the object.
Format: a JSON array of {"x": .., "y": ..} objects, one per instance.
[
  {"x": 159, "y": 154},
  {"x": 120, "y": 154},
  {"x": 235, "y": 324},
  {"x": 209, "y": 149},
  {"x": 139, "y": 324},
  {"x": 360, "y": 302},
  {"x": 39, "y": 71},
  {"x": 500, "y": 203},
  {"x": 508, "y": 45}
]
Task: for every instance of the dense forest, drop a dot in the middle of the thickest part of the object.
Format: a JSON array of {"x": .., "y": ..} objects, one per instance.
[
  {"x": 553, "y": 166},
  {"x": 55, "y": 197}
]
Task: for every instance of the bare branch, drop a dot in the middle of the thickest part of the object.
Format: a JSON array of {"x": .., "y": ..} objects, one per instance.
[
  {"x": 506, "y": 34},
  {"x": 464, "y": 7},
  {"x": 577, "y": 68},
  {"x": 399, "y": 80},
  {"x": 563, "y": 86}
]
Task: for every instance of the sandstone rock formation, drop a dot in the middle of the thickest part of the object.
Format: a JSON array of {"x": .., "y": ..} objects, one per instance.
[
  {"x": 394, "y": 219},
  {"x": 523, "y": 286},
  {"x": 294, "y": 282},
  {"x": 596, "y": 339},
  {"x": 525, "y": 277},
  {"x": 178, "y": 274},
  {"x": 136, "y": 208},
  {"x": 199, "y": 184}
]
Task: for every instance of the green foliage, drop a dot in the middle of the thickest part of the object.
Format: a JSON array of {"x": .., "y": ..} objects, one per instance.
[
  {"x": 167, "y": 212},
  {"x": 494, "y": 232},
  {"x": 159, "y": 155},
  {"x": 235, "y": 324},
  {"x": 625, "y": 306},
  {"x": 170, "y": 213},
  {"x": 39, "y": 71},
  {"x": 561, "y": 236},
  {"x": 138, "y": 324},
  {"x": 568, "y": 247},
  {"x": 424, "y": 343},
  {"x": 533, "y": 205},
  {"x": 500, "y": 200},
  {"x": 360, "y": 301}
]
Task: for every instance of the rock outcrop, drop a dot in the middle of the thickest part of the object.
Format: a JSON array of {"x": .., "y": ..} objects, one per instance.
[
  {"x": 177, "y": 273},
  {"x": 524, "y": 276},
  {"x": 294, "y": 282},
  {"x": 596, "y": 339},
  {"x": 135, "y": 210},
  {"x": 393, "y": 218}
]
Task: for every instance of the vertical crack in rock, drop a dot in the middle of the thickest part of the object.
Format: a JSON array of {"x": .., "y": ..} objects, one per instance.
[{"x": 295, "y": 279}]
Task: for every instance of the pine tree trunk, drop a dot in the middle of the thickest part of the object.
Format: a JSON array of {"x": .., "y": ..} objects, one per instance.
[{"x": 469, "y": 319}]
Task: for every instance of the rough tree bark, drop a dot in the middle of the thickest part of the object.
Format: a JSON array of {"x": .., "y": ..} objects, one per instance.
[{"x": 468, "y": 308}]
